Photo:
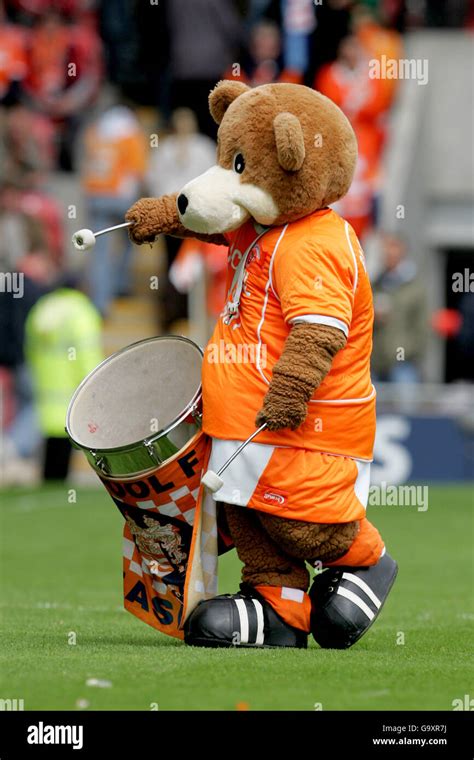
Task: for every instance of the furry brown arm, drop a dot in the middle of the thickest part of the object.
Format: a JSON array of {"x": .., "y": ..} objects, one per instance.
[
  {"x": 153, "y": 216},
  {"x": 300, "y": 370}
]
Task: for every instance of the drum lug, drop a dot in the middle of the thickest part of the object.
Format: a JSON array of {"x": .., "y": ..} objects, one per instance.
[
  {"x": 196, "y": 415},
  {"x": 151, "y": 452},
  {"x": 100, "y": 463}
]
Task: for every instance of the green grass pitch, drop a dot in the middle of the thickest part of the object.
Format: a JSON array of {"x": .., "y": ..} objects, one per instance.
[{"x": 61, "y": 574}]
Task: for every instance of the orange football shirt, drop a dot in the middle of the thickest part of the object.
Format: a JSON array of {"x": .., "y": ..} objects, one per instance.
[
  {"x": 13, "y": 63},
  {"x": 311, "y": 270},
  {"x": 110, "y": 162}
]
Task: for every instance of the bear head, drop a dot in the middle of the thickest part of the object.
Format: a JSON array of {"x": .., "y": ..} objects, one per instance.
[{"x": 283, "y": 152}]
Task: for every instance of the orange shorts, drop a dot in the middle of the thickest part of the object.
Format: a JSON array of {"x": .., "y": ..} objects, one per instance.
[{"x": 293, "y": 483}]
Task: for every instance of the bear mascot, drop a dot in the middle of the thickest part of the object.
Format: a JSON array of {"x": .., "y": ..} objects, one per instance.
[{"x": 297, "y": 327}]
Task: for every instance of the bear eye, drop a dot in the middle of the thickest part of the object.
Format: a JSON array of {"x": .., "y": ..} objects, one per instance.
[{"x": 239, "y": 163}]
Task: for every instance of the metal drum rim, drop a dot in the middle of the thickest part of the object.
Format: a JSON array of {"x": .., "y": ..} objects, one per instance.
[
  {"x": 131, "y": 477},
  {"x": 156, "y": 436}
]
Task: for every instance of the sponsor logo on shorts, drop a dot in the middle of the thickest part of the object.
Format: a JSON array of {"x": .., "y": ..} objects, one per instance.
[{"x": 276, "y": 498}]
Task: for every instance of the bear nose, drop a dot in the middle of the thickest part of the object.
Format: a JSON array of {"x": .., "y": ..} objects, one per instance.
[{"x": 182, "y": 204}]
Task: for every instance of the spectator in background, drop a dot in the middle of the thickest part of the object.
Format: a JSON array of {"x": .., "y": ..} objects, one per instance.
[
  {"x": 201, "y": 263},
  {"x": 256, "y": 10},
  {"x": 263, "y": 64},
  {"x": 115, "y": 153},
  {"x": 378, "y": 41},
  {"x": 400, "y": 321},
  {"x": 63, "y": 344},
  {"x": 333, "y": 20},
  {"x": 64, "y": 73},
  {"x": 358, "y": 205},
  {"x": 13, "y": 237},
  {"x": 34, "y": 8},
  {"x": 36, "y": 270},
  {"x": 25, "y": 194},
  {"x": 29, "y": 140},
  {"x": 134, "y": 40},
  {"x": 298, "y": 25},
  {"x": 265, "y": 52},
  {"x": 364, "y": 101},
  {"x": 205, "y": 40},
  {"x": 347, "y": 82},
  {"x": 13, "y": 63},
  {"x": 179, "y": 158}
]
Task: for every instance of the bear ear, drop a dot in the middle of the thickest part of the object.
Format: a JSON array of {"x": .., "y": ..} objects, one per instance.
[
  {"x": 289, "y": 141},
  {"x": 223, "y": 94}
]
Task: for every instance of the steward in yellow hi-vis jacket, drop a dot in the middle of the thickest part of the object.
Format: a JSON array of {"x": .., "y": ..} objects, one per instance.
[{"x": 63, "y": 344}]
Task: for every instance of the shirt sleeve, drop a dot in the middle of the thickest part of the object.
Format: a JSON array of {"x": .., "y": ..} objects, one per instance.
[{"x": 315, "y": 285}]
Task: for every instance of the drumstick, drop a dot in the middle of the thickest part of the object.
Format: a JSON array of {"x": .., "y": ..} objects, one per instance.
[
  {"x": 83, "y": 240},
  {"x": 212, "y": 480}
]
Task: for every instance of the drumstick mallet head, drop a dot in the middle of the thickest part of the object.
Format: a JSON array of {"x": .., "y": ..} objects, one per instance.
[
  {"x": 211, "y": 480},
  {"x": 84, "y": 240}
]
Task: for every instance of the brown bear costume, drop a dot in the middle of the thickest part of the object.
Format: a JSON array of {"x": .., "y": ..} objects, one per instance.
[{"x": 298, "y": 293}]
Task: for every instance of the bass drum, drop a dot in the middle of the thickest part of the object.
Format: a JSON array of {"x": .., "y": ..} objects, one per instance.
[{"x": 139, "y": 407}]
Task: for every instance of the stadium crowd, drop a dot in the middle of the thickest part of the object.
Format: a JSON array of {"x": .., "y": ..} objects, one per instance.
[{"x": 77, "y": 77}]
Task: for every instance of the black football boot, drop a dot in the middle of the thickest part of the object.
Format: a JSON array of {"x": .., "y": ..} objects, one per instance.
[
  {"x": 244, "y": 619},
  {"x": 345, "y": 601}
]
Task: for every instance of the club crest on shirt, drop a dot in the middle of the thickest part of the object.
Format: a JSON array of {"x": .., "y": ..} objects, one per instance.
[
  {"x": 255, "y": 255},
  {"x": 234, "y": 257}
]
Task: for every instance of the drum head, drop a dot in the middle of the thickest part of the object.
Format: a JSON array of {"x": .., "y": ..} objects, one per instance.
[{"x": 136, "y": 393}]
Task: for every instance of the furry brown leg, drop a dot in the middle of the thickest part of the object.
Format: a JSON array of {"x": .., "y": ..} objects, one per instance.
[
  {"x": 264, "y": 562},
  {"x": 309, "y": 541}
]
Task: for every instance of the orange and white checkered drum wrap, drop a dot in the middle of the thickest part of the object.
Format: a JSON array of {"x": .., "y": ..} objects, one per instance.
[{"x": 169, "y": 540}]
